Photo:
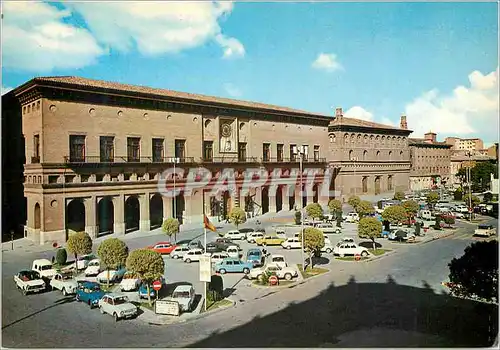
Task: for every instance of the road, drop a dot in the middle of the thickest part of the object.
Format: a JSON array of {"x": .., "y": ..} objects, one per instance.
[{"x": 360, "y": 297}]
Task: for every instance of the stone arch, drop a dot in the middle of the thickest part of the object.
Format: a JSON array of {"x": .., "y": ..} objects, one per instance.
[
  {"x": 365, "y": 155},
  {"x": 156, "y": 211},
  {"x": 279, "y": 199},
  {"x": 359, "y": 138},
  {"x": 377, "y": 185},
  {"x": 377, "y": 156},
  {"x": 265, "y": 199},
  {"x": 38, "y": 217},
  {"x": 390, "y": 155},
  {"x": 315, "y": 193},
  {"x": 401, "y": 154},
  {"x": 353, "y": 137},
  {"x": 351, "y": 154},
  {"x": 75, "y": 216},
  {"x": 132, "y": 214},
  {"x": 105, "y": 215},
  {"x": 365, "y": 138},
  {"x": 364, "y": 184}
]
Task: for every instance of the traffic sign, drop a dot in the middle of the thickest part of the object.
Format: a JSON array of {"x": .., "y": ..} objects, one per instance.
[
  {"x": 273, "y": 280},
  {"x": 157, "y": 285}
]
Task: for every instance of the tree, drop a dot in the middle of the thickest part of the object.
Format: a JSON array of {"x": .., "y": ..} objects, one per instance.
[
  {"x": 237, "y": 216},
  {"x": 481, "y": 173},
  {"x": 432, "y": 198},
  {"x": 364, "y": 208},
  {"x": 61, "y": 256},
  {"x": 394, "y": 214},
  {"x": 488, "y": 197},
  {"x": 79, "y": 243},
  {"x": 475, "y": 200},
  {"x": 113, "y": 254},
  {"x": 354, "y": 201},
  {"x": 449, "y": 220},
  {"x": 335, "y": 205},
  {"x": 339, "y": 219},
  {"x": 314, "y": 210},
  {"x": 457, "y": 195},
  {"x": 398, "y": 195},
  {"x": 437, "y": 225},
  {"x": 370, "y": 228},
  {"x": 148, "y": 265},
  {"x": 298, "y": 217},
  {"x": 411, "y": 208},
  {"x": 314, "y": 241},
  {"x": 171, "y": 227},
  {"x": 475, "y": 274}
]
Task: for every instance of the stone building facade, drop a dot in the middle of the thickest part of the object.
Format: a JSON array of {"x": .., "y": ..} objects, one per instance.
[
  {"x": 468, "y": 144},
  {"x": 430, "y": 163},
  {"x": 96, "y": 151}
]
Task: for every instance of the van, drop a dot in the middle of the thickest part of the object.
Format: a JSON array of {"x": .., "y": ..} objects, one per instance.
[{"x": 44, "y": 268}]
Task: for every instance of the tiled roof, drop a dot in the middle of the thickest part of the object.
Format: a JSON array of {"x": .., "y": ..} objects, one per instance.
[
  {"x": 417, "y": 141},
  {"x": 91, "y": 83},
  {"x": 362, "y": 123}
]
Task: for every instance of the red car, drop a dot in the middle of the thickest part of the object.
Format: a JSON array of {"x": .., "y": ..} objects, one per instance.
[{"x": 163, "y": 247}]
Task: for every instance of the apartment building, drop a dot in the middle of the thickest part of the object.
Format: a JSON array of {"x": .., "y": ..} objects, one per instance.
[{"x": 468, "y": 144}]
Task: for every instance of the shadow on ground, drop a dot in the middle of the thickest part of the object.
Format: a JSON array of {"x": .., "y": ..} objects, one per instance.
[
  {"x": 369, "y": 245},
  {"x": 369, "y": 315}
]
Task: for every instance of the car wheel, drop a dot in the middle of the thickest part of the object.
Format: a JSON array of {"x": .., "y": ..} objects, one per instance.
[
  {"x": 64, "y": 292},
  {"x": 222, "y": 271},
  {"x": 101, "y": 310},
  {"x": 188, "y": 260},
  {"x": 328, "y": 251},
  {"x": 246, "y": 271},
  {"x": 288, "y": 247},
  {"x": 364, "y": 253},
  {"x": 288, "y": 276},
  {"x": 115, "y": 315}
]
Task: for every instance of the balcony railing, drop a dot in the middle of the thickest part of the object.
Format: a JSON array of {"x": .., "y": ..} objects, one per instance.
[
  {"x": 35, "y": 160},
  {"x": 126, "y": 159},
  {"x": 293, "y": 160},
  {"x": 231, "y": 159}
]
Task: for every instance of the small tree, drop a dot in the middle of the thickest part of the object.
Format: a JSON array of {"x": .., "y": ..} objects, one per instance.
[
  {"x": 394, "y": 214},
  {"x": 411, "y": 208},
  {"x": 339, "y": 219},
  {"x": 148, "y": 265},
  {"x": 314, "y": 210},
  {"x": 475, "y": 200},
  {"x": 457, "y": 195},
  {"x": 61, "y": 256},
  {"x": 314, "y": 241},
  {"x": 488, "y": 197},
  {"x": 437, "y": 225},
  {"x": 370, "y": 228},
  {"x": 432, "y": 198},
  {"x": 79, "y": 244},
  {"x": 237, "y": 216},
  {"x": 399, "y": 195},
  {"x": 475, "y": 274},
  {"x": 298, "y": 217},
  {"x": 171, "y": 227},
  {"x": 353, "y": 201},
  {"x": 216, "y": 287},
  {"x": 449, "y": 220},
  {"x": 364, "y": 208},
  {"x": 335, "y": 206},
  {"x": 113, "y": 254}
]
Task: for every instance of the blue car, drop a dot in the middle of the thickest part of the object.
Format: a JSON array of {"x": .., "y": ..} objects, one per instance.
[
  {"x": 255, "y": 257},
  {"x": 143, "y": 290},
  {"x": 233, "y": 265},
  {"x": 89, "y": 293}
]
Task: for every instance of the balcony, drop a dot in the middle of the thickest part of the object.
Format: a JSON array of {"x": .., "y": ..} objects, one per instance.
[
  {"x": 230, "y": 159},
  {"x": 293, "y": 160},
  {"x": 125, "y": 159}
]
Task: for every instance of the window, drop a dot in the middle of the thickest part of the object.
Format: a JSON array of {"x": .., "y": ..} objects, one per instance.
[
  {"x": 242, "y": 151},
  {"x": 305, "y": 149},
  {"x": 389, "y": 183},
  {"x": 107, "y": 148},
  {"x": 158, "y": 150},
  {"x": 208, "y": 150},
  {"x": 77, "y": 148},
  {"x": 266, "y": 152},
  {"x": 292, "y": 154},
  {"x": 316, "y": 153},
  {"x": 36, "y": 149},
  {"x": 133, "y": 149},
  {"x": 279, "y": 152},
  {"x": 38, "y": 105},
  {"x": 180, "y": 148}
]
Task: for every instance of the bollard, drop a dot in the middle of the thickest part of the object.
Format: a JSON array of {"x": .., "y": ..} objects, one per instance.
[{"x": 12, "y": 239}]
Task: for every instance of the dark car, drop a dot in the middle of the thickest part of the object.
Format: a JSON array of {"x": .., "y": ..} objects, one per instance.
[
  {"x": 224, "y": 243},
  {"x": 192, "y": 244},
  {"x": 213, "y": 247}
]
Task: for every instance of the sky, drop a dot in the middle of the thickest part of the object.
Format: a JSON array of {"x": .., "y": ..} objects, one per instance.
[{"x": 436, "y": 63}]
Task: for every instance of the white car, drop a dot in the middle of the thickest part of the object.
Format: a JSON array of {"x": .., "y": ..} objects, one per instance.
[
  {"x": 462, "y": 209},
  {"x": 184, "y": 295},
  {"x": 44, "y": 268},
  {"x": 485, "y": 231},
  {"x": 329, "y": 229},
  {"x": 281, "y": 272},
  {"x": 281, "y": 233},
  {"x": 328, "y": 248},
  {"x": 117, "y": 305},
  {"x": 93, "y": 268},
  {"x": 192, "y": 255},
  {"x": 458, "y": 215},
  {"x": 346, "y": 240},
  {"x": 129, "y": 282},
  {"x": 29, "y": 281},
  {"x": 114, "y": 275},
  {"x": 216, "y": 258},
  {"x": 292, "y": 243},
  {"x": 351, "y": 217},
  {"x": 252, "y": 236},
  {"x": 349, "y": 249},
  {"x": 83, "y": 261},
  {"x": 179, "y": 252},
  {"x": 233, "y": 252},
  {"x": 235, "y": 234},
  {"x": 64, "y": 282},
  {"x": 277, "y": 259}
]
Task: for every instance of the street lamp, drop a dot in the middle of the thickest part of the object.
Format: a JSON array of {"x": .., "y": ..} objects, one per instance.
[{"x": 300, "y": 152}]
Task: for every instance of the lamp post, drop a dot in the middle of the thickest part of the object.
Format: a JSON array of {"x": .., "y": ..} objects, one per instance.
[{"x": 300, "y": 152}]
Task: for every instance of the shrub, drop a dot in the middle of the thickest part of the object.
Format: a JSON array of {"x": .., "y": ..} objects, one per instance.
[
  {"x": 298, "y": 217},
  {"x": 216, "y": 288},
  {"x": 314, "y": 210},
  {"x": 61, "y": 256},
  {"x": 237, "y": 216},
  {"x": 399, "y": 195},
  {"x": 79, "y": 244},
  {"x": 488, "y": 197},
  {"x": 171, "y": 227},
  {"x": 449, "y": 220},
  {"x": 335, "y": 206},
  {"x": 437, "y": 226}
]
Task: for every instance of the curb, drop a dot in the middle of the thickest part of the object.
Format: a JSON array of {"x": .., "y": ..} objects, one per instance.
[
  {"x": 209, "y": 313},
  {"x": 436, "y": 238}
]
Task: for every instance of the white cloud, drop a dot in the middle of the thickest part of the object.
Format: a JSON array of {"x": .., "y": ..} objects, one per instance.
[
  {"x": 5, "y": 89},
  {"x": 158, "y": 27},
  {"x": 232, "y": 90},
  {"x": 328, "y": 62},
  {"x": 359, "y": 113},
  {"x": 36, "y": 39},
  {"x": 467, "y": 111}
]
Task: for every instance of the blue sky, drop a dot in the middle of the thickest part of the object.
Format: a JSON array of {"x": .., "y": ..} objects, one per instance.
[{"x": 435, "y": 62}]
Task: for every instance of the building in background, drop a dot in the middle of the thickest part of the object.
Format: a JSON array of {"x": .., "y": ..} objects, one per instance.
[
  {"x": 469, "y": 144},
  {"x": 463, "y": 159},
  {"x": 430, "y": 163}
]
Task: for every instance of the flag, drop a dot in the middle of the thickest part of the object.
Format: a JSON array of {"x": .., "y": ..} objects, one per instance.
[{"x": 207, "y": 224}]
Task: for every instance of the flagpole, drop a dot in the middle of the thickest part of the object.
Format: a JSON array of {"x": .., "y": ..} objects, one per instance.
[{"x": 205, "y": 282}]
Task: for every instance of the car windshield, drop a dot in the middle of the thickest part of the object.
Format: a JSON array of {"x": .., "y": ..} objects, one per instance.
[
  {"x": 95, "y": 288},
  {"x": 67, "y": 276},
  {"x": 28, "y": 275},
  {"x": 121, "y": 300},
  {"x": 256, "y": 253},
  {"x": 484, "y": 227},
  {"x": 46, "y": 267},
  {"x": 95, "y": 263},
  {"x": 181, "y": 295},
  {"x": 278, "y": 259}
]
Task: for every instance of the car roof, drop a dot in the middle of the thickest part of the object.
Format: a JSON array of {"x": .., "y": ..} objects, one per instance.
[
  {"x": 163, "y": 243},
  {"x": 232, "y": 246},
  {"x": 42, "y": 261},
  {"x": 277, "y": 256},
  {"x": 254, "y": 250},
  {"x": 183, "y": 288},
  {"x": 26, "y": 270},
  {"x": 115, "y": 295},
  {"x": 89, "y": 283}
]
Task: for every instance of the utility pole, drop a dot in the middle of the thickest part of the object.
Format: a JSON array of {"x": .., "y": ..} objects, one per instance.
[
  {"x": 469, "y": 173},
  {"x": 300, "y": 152}
]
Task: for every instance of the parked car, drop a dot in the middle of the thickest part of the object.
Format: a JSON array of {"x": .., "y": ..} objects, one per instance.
[
  {"x": 485, "y": 231},
  {"x": 224, "y": 243},
  {"x": 83, "y": 261},
  {"x": 216, "y": 258},
  {"x": 192, "y": 255},
  {"x": 346, "y": 240},
  {"x": 269, "y": 240},
  {"x": 246, "y": 230},
  {"x": 117, "y": 305},
  {"x": 114, "y": 275},
  {"x": 129, "y": 282},
  {"x": 281, "y": 272},
  {"x": 327, "y": 248},
  {"x": 89, "y": 293},
  {"x": 329, "y": 229},
  {"x": 163, "y": 247},
  {"x": 255, "y": 257},
  {"x": 143, "y": 289},
  {"x": 278, "y": 260},
  {"x": 292, "y": 243},
  {"x": 281, "y": 233},
  {"x": 233, "y": 265},
  {"x": 64, "y": 282},
  {"x": 351, "y": 217},
  {"x": 233, "y": 252},
  {"x": 252, "y": 236},
  {"x": 192, "y": 244},
  {"x": 29, "y": 281},
  {"x": 93, "y": 268},
  {"x": 401, "y": 235},
  {"x": 184, "y": 295},
  {"x": 179, "y": 252},
  {"x": 44, "y": 268},
  {"x": 235, "y": 235},
  {"x": 349, "y": 249}
]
